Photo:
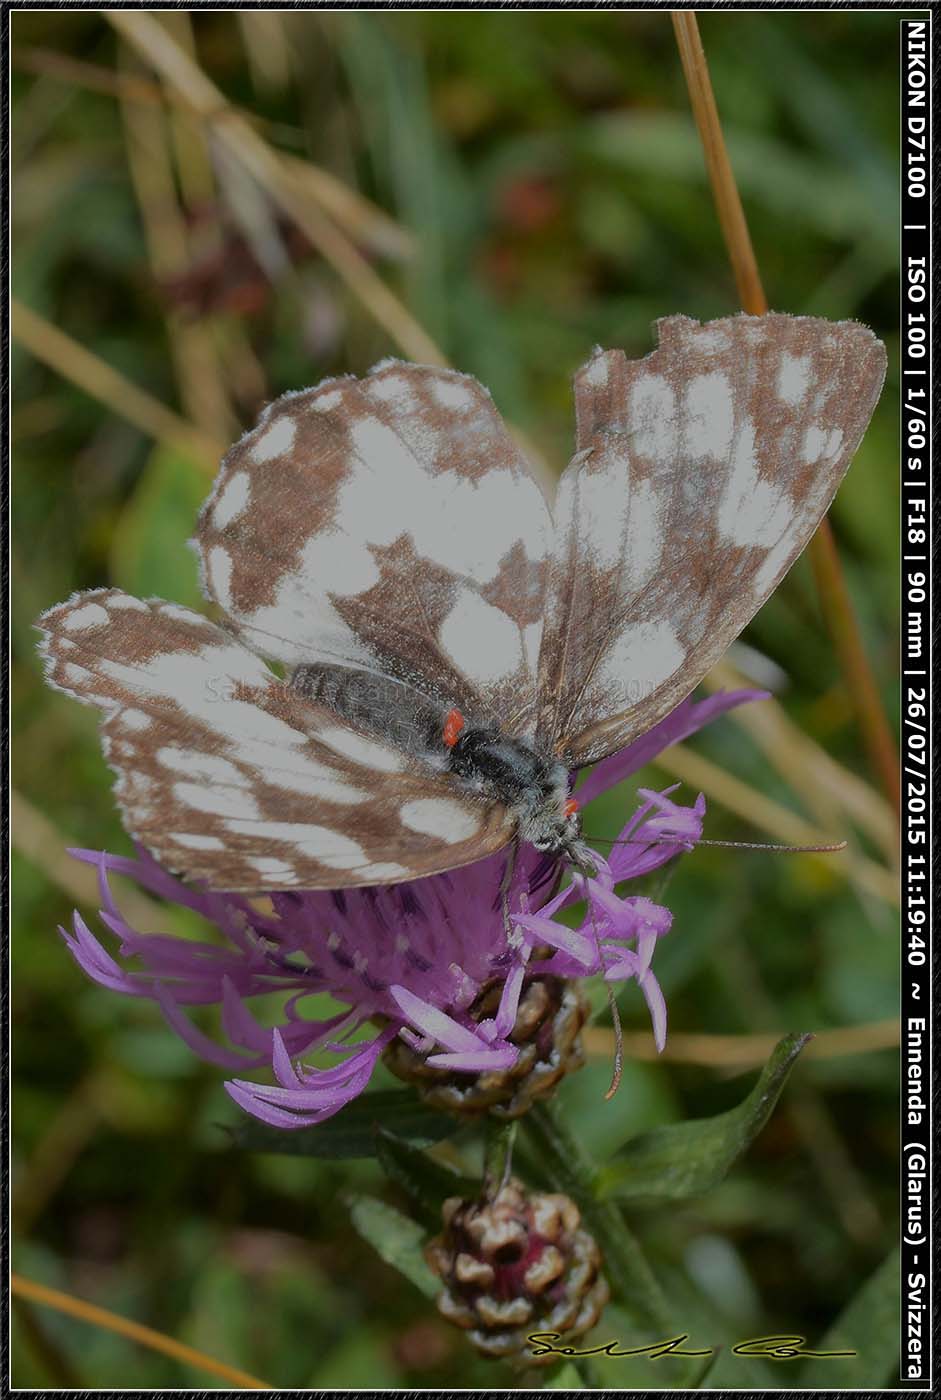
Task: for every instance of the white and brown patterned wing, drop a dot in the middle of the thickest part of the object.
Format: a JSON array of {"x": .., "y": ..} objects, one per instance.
[
  {"x": 386, "y": 524},
  {"x": 227, "y": 775},
  {"x": 701, "y": 472}
]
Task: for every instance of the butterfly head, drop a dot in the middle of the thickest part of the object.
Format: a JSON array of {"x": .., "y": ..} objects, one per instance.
[{"x": 555, "y": 825}]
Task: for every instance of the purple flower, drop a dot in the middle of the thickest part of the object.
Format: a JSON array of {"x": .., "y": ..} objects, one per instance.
[{"x": 403, "y": 960}]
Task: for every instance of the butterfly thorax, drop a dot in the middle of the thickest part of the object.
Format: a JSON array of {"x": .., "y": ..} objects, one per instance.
[{"x": 531, "y": 785}]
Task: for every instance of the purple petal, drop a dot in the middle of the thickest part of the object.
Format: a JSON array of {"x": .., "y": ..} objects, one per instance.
[
  {"x": 646, "y": 839},
  {"x": 328, "y": 1079},
  {"x": 651, "y": 918},
  {"x": 505, "y": 1019},
  {"x": 620, "y": 964},
  {"x": 685, "y": 823},
  {"x": 558, "y": 901},
  {"x": 477, "y": 1062},
  {"x": 96, "y": 963},
  {"x": 199, "y": 1043},
  {"x": 616, "y": 911},
  {"x": 238, "y": 1022},
  {"x": 434, "y": 1022},
  {"x": 646, "y": 943},
  {"x": 572, "y": 941},
  {"x": 251, "y": 1098},
  {"x": 319, "y": 1089},
  {"x": 145, "y": 872},
  {"x": 657, "y": 1007},
  {"x": 285, "y": 1072}
]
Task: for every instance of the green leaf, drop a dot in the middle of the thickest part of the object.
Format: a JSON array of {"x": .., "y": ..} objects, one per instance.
[
  {"x": 149, "y": 553},
  {"x": 685, "y": 1159},
  {"x": 566, "y": 1378},
  {"x": 817, "y": 194},
  {"x": 869, "y": 1326},
  {"x": 396, "y": 1239},
  {"x": 731, "y": 1372},
  {"x": 353, "y": 1131},
  {"x": 429, "y": 1183},
  {"x": 361, "y": 1360}
]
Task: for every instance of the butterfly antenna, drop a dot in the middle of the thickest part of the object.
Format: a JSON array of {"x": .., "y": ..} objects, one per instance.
[{"x": 726, "y": 845}]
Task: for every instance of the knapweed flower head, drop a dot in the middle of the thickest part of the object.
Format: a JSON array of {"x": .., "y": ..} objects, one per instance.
[{"x": 406, "y": 961}]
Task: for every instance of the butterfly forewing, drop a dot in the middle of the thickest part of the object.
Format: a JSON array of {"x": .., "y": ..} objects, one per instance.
[
  {"x": 388, "y": 524},
  {"x": 701, "y": 472},
  {"x": 226, "y": 774}
]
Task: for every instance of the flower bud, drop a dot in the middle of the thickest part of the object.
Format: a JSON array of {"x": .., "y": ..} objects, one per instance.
[{"x": 516, "y": 1264}]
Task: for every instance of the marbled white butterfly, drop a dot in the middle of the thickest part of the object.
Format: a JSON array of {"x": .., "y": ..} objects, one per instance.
[{"x": 452, "y": 652}]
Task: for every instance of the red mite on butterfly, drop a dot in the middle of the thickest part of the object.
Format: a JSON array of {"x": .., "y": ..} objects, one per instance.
[{"x": 453, "y": 724}]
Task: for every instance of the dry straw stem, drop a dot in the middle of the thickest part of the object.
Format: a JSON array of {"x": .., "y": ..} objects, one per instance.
[
  {"x": 33, "y": 1292},
  {"x": 200, "y": 384},
  {"x": 834, "y": 596},
  {"x": 193, "y": 157},
  {"x": 65, "y": 1135},
  {"x": 759, "y": 811},
  {"x": 743, "y": 1051},
  {"x": 267, "y": 48},
  {"x": 43, "y": 845},
  {"x": 47, "y": 63},
  {"x": 56, "y": 1365},
  {"x": 362, "y": 220},
  {"x": 240, "y": 141},
  {"x": 838, "y": 608},
  {"x": 90, "y": 373},
  {"x": 288, "y": 183}
]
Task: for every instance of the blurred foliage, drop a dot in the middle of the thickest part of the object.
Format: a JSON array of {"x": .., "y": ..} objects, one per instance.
[{"x": 546, "y": 168}]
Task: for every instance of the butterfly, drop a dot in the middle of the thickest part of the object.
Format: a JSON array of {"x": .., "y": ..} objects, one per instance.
[{"x": 450, "y": 651}]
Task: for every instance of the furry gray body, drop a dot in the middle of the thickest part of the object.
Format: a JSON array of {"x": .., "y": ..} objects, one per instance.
[{"x": 486, "y": 763}]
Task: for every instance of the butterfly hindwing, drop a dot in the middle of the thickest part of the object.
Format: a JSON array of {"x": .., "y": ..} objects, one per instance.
[
  {"x": 701, "y": 472},
  {"x": 226, "y": 774},
  {"x": 388, "y": 524}
]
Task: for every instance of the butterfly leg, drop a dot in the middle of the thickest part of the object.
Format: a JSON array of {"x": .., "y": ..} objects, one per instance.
[
  {"x": 618, "y": 1065},
  {"x": 505, "y": 884}
]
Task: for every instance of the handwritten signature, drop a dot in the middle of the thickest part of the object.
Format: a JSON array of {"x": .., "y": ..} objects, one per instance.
[{"x": 786, "y": 1347}]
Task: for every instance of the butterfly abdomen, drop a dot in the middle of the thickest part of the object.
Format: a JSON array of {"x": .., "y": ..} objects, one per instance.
[{"x": 378, "y": 704}]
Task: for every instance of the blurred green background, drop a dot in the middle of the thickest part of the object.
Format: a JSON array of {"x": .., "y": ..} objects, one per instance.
[{"x": 533, "y": 186}]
